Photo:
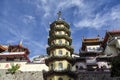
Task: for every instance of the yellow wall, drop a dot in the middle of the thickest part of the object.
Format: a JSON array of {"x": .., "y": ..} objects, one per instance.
[
  {"x": 60, "y": 25},
  {"x": 55, "y": 64},
  {"x": 62, "y": 33},
  {"x": 56, "y": 41},
  {"x": 56, "y": 52}
]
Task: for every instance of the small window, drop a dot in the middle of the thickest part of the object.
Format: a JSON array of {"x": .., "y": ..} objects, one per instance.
[
  {"x": 80, "y": 68},
  {"x": 60, "y": 78},
  {"x": 60, "y": 42},
  {"x": 57, "y": 25},
  {"x": 60, "y": 66},
  {"x": 52, "y": 53},
  {"x": 66, "y": 42},
  {"x": 60, "y": 32},
  {"x": 66, "y": 53},
  {"x": 60, "y": 52},
  {"x": 68, "y": 67},
  {"x": 76, "y": 67},
  {"x": 103, "y": 67},
  {"x": 51, "y": 66}
]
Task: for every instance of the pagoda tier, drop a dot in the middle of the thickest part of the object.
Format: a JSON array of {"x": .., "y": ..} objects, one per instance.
[
  {"x": 59, "y": 58},
  {"x": 53, "y": 47},
  {"x": 59, "y": 29},
  {"x": 59, "y": 51},
  {"x": 59, "y": 22},
  {"x": 53, "y": 39},
  {"x": 66, "y": 72}
]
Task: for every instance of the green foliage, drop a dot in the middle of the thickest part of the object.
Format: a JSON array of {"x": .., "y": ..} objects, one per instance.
[
  {"x": 13, "y": 69},
  {"x": 115, "y": 70}
]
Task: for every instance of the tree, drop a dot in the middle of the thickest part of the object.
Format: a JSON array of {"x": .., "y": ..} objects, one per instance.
[{"x": 115, "y": 70}]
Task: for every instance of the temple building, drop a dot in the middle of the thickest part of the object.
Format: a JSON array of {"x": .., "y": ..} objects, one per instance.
[
  {"x": 111, "y": 43},
  {"x": 14, "y": 53},
  {"x": 18, "y": 54},
  {"x": 60, "y": 52},
  {"x": 92, "y": 63}
]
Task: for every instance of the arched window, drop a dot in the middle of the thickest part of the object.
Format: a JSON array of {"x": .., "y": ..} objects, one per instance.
[
  {"x": 52, "y": 53},
  {"x": 68, "y": 67},
  {"x": 81, "y": 67},
  {"x": 60, "y": 41},
  {"x": 103, "y": 67},
  {"x": 60, "y": 78},
  {"x": 76, "y": 67},
  {"x": 51, "y": 66},
  {"x": 66, "y": 53},
  {"x": 60, "y": 66},
  {"x": 60, "y": 32},
  {"x": 66, "y": 42},
  {"x": 60, "y": 52}
]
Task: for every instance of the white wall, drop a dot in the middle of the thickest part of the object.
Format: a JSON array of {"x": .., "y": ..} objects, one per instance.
[
  {"x": 110, "y": 50},
  {"x": 118, "y": 43},
  {"x": 34, "y": 67},
  {"x": 24, "y": 66}
]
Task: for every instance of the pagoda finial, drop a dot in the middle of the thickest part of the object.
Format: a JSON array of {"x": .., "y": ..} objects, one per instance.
[{"x": 59, "y": 15}]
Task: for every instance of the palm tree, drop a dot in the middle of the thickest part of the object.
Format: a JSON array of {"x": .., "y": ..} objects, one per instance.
[{"x": 13, "y": 69}]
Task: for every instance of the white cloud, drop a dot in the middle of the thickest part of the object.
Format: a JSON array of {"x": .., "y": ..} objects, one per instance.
[
  {"x": 111, "y": 18},
  {"x": 28, "y": 19}
]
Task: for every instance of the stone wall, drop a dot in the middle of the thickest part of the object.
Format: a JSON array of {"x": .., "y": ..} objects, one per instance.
[
  {"x": 95, "y": 76},
  {"x": 36, "y": 75}
]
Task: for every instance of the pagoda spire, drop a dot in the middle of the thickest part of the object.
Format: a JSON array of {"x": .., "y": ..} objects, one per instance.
[{"x": 59, "y": 15}]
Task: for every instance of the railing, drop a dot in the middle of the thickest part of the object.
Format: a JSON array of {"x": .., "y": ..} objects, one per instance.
[{"x": 93, "y": 70}]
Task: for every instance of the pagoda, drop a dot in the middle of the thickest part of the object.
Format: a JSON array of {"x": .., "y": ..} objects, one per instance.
[{"x": 60, "y": 52}]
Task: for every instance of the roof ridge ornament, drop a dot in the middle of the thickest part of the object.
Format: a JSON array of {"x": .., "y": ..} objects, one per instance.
[{"x": 21, "y": 42}]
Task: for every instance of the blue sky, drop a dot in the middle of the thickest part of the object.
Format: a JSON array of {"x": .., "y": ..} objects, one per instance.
[{"x": 29, "y": 20}]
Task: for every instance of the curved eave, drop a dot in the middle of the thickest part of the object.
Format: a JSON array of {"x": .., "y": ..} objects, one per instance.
[
  {"x": 62, "y": 72},
  {"x": 59, "y": 22},
  {"x": 108, "y": 59},
  {"x": 59, "y": 58},
  {"x": 83, "y": 54},
  {"x": 80, "y": 59},
  {"x": 52, "y": 32}
]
